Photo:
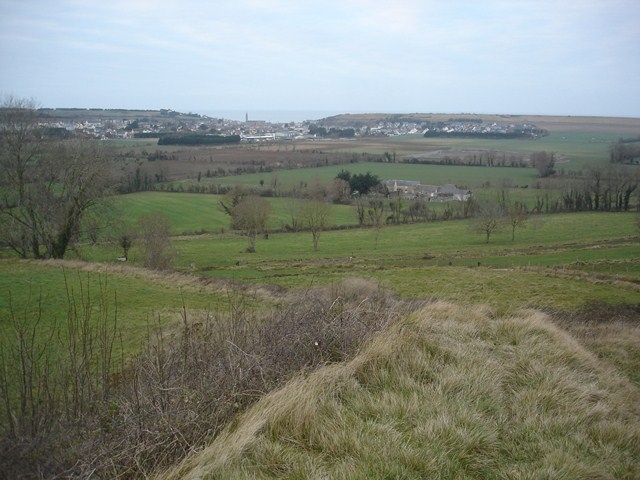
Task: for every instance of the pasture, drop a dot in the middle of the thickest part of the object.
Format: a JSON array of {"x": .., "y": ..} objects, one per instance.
[
  {"x": 463, "y": 176},
  {"x": 575, "y": 148},
  {"x": 198, "y": 213},
  {"x": 595, "y": 255},
  {"x": 135, "y": 300}
]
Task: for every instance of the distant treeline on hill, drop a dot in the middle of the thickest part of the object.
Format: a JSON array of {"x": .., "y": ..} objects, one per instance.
[
  {"x": 332, "y": 132},
  {"x": 495, "y": 135},
  {"x": 466, "y": 120},
  {"x": 190, "y": 138},
  {"x": 625, "y": 150},
  {"x": 474, "y": 128}
]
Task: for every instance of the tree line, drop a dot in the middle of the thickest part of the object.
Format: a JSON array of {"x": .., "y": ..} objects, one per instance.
[
  {"x": 625, "y": 151},
  {"x": 332, "y": 132},
  {"x": 196, "y": 139}
]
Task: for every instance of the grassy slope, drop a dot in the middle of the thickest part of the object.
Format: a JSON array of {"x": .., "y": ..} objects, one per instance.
[
  {"x": 135, "y": 297},
  {"x": 558, "y": 261},
  {"x": 451, "y": 392},
  {"x": 190, "y": 213}
]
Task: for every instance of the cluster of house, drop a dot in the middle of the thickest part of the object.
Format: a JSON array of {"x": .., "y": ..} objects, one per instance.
[
  {"x": 98, "y": 123},
  {"x": 108, "y": 124},
  {"x": 436, "y": 193},
  {"x": 475, "y": 127}
]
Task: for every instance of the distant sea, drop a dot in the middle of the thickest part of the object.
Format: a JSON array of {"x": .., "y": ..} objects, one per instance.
[{"x": 272, "y": 116}]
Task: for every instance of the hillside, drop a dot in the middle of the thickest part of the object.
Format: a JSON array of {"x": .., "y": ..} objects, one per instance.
[{"x": 449, "y": 392}]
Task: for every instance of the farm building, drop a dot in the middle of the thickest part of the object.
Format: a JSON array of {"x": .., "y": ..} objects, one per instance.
[{"x": 414, "y": 189}]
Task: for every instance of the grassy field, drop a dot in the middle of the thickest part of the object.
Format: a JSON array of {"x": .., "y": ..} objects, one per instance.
[
  {"x": 559, "y": 261},
  {"x": 135, "y": 299},
  {"x": 574, "y": 150},
  {"x": 197, "y": 213},
  {"x": 577, "y": 147},
  {"x": 471, "y": 177},
  {"x": 576, "y": 142}
]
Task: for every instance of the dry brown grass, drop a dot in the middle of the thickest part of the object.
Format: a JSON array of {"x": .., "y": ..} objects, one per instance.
[
  {"x": 610, "y": 332},
  {"x": 450, "y": 392}
]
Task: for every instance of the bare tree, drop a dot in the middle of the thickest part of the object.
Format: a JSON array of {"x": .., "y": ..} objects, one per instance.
[
  {"x": 488, "y": 220},
  {"x": 154, "y": 234},
  {"x": 396, "y": 207},
  {"x": 251, "y": 215},
  {"x": 517, "y": 217},
  {"x": 544, "y": 163},
  {"x": 47, "y": 187},
  {"x": 361, "y": 209},
  {"x": 419, "y": 210},
  {"x": 341, "y": 191},
  {"x": 231, "y": 199},
  {"x": 315, "y": 216},
  {"x": 375, "y": 212},
  {"x": 292, "y": 208}
]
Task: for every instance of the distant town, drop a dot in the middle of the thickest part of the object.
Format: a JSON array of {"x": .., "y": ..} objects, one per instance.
[{"x": 126, "y": 124}]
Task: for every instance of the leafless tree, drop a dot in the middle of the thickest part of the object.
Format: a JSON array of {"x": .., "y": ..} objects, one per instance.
[
  {"x": 419, "y": 210},
  {"x": 361, "y": 208},
  {"x": 251, "y": 215},
  {"x": 292, "y": 208},
  {"x": 517, "y": 217},
  {"x": 154, "y": 235},
  {"x": 315, "y": 216},
  {"x": 488, "y": 220},
  {"x": 231, "y": 199},
  {"x": 341, "y": 191},
  {"x": 47, "y": 187},
  {"x": 375, "y": 212},
  {"x": 544, "y": 163}
]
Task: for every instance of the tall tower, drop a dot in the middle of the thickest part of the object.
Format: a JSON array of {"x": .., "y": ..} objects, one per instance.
[{"x": 246, "y": 117}]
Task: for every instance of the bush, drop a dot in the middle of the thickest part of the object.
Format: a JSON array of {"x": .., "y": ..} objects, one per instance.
[
  {"x": 154, "y": 231},
  {"x": 186, "y": 385}
]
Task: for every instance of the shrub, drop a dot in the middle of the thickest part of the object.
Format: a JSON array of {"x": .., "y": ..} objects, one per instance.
[{"x": 188, "y": 383}]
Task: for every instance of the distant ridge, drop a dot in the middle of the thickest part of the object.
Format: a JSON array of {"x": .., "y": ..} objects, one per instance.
[
  {"x": 109, "y": 113},
  {"x": 549, "y": 122}
]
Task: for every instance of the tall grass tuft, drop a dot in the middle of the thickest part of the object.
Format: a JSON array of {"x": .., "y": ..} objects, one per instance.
[{"x": 448, "y": 392}]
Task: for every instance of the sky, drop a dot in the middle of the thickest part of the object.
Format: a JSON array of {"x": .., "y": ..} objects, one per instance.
[{"x": 547, "y": 57}]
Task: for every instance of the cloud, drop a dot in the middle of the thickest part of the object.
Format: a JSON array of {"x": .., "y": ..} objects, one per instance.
[{"x": 353, "y": 52}]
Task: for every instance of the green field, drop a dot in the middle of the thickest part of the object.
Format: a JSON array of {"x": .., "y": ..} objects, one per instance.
[
  {"x": 574, "y": 150},
  {"x": 471, "y": 177},
  {"x": 135, "y": 299},
  {"x": 196, "y": 213},
  {"x": 445, "y": 252},
  {"x": 578, "y": 148}
]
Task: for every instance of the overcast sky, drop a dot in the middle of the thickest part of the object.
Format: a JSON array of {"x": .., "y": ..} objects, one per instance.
[{"x": 567, "y": 57}]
